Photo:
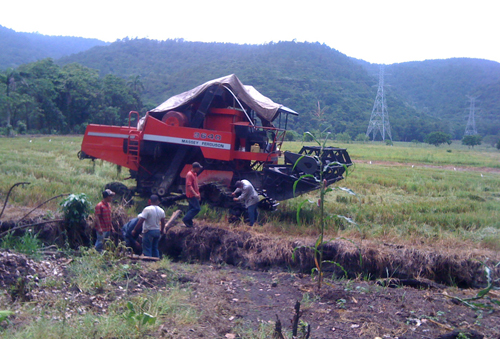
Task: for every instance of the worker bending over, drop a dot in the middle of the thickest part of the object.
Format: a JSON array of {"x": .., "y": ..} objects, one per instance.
[
  {"x": 249, "y": 197},
  {"x": 132, "y": 241}
]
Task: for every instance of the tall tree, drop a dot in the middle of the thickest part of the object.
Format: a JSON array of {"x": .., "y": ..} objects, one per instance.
[
  {"x": 438, "y": 138},
  {"x": 9, "y": 79},
  {"x": 137, "y": 87},
  {"x": 472, "y": 140}
]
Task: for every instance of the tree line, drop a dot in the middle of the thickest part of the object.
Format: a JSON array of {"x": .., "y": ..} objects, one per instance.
[
  {"x": 47, "y": 98},
  {"x": 43, "y": 97}
]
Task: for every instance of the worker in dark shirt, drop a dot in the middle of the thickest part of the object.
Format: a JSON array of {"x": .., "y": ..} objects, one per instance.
[{"x": 131, "y": 240}]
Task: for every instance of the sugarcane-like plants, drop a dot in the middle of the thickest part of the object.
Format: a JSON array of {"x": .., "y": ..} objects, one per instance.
[{"x": 323, "y": 216}]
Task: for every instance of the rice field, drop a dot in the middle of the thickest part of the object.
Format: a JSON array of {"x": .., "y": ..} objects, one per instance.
[{"x": 406, "y": 191}]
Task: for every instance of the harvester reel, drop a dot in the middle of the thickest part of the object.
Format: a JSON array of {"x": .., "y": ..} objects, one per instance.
[{"x": 303, "y": 163}]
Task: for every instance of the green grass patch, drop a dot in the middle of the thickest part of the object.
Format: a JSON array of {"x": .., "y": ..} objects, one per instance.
[
  {"x": 28, "y": 244},
  {"x": 51, "y": 165},
  {"x": 407, "y": 152}
]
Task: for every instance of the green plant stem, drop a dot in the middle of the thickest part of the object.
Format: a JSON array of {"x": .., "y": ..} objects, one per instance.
[
  {"x": 8, "y": 194},
  {"x": 322, "y": 226},
  {"x": 43, "y": 203}
]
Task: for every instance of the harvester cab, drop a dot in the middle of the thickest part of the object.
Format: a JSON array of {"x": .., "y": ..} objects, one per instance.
[{"x": 231, "y": 129}]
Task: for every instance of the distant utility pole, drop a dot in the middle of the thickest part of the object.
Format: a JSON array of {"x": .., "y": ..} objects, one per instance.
[
  {"x": 470, "y": 129},
  {"x": 379, "y": 120}
]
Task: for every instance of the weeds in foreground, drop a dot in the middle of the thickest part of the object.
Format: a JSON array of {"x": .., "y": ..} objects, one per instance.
[
  {"x": 61, "y": 321},
  {"x": 94, "y": 271},
  {"x": 138, "y": 316},
  {"x": 28, "y": 244},
  {"x": 128, "y": 314},
  {"x": 245, "y": 331},
  {"x": 4, "y": 315}
]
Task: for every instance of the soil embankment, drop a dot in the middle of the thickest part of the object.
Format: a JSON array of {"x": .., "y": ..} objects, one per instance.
[
  {"x": 366, "y": 259},
  {"x": 357, "y": 258}
]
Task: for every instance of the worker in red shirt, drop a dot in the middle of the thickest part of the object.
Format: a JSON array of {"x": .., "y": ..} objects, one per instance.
[
  {"x": 193, "y": 194},
  {"x": 103, "y": 223}
]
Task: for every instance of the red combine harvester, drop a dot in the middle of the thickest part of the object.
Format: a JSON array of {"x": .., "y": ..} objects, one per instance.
[{"x": 231, "y": 129}]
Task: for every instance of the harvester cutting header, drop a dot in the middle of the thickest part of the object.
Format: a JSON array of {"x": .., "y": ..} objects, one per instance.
[{"x": 231, "y": 129}]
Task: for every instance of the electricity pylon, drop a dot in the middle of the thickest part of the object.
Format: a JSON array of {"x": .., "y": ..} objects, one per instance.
[
  {"x": 470, "y": 129},
  {"x": 379, "y": 120}
]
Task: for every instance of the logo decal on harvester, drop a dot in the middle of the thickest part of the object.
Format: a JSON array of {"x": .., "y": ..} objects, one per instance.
[{"x": 191, "y": 142}]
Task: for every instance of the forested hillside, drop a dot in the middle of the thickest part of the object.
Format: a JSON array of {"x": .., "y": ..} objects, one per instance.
[
  {"x": 43, "y": 97},
  {"x": 298, "y": 75},
  {"x": 440, "y": 89},
  {"x": 19, "y": 48},
  {"x": 422, "y": 97}
]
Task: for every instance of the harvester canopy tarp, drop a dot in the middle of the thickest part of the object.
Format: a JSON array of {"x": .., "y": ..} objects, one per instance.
[{"x": 264, "y": 107}]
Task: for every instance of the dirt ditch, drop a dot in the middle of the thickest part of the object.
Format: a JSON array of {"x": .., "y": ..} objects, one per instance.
[
  {"x": 249, "y": 249},
  {"x": 366, "y": 259}
]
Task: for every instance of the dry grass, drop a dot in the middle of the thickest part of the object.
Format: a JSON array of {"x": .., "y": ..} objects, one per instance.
[{"x": 372, "y": 259}]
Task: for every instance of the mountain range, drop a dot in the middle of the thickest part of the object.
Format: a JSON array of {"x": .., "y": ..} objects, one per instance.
[{"x": 421, "y": 96}]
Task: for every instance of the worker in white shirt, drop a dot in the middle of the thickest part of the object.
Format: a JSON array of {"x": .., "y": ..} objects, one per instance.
[{"x": 248, "y": 197}]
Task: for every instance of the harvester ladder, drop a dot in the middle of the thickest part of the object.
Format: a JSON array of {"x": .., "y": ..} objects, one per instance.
[
  {"x": 133, "y": 142},
  {"x": 133, "y": 148}
]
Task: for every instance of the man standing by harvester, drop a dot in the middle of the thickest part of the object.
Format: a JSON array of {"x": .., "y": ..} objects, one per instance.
[
  {"x": 193, "y": 194},
  {"x": 103, "y": 224},
  {"x": 152, "y": 221},
  {"x": 249, "y": 197}
]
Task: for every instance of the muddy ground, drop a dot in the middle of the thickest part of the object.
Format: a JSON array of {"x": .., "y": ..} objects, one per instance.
[{"x": 241, "y": 281}]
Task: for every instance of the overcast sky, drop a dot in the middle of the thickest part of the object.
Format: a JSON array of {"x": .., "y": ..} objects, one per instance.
[{"x": 382, "y": 31}]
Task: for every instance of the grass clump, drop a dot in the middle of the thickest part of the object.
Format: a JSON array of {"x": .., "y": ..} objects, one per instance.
[{"x": 28, "y": 244}]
